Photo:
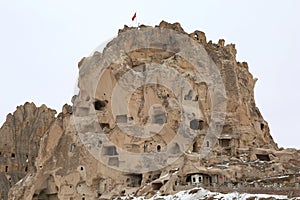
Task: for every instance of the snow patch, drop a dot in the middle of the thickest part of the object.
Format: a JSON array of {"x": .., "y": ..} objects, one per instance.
[{"x": 201, "y": 193}]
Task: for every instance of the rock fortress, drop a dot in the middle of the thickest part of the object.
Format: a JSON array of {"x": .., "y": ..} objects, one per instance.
[{"x": 158, "y": 111}]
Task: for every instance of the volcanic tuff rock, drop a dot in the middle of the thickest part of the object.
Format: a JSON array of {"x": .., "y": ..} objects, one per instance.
[
  {"x": 20, "y": 142},
  {"x": 48, "y": 157}
]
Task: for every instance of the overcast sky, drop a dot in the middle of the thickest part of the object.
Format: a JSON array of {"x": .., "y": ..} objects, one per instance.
[{"x": 41, "y": 42}]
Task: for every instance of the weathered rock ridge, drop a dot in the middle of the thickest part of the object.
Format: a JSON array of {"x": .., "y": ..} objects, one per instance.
[
  {"x": 48, "y": 157},
  {"x": 20, "y": 142}
]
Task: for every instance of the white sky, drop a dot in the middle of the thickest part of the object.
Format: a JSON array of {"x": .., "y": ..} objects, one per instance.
[{"x": 41, "y": 42}]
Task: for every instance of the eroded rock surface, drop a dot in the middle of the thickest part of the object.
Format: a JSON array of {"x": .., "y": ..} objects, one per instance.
[
  {"x": 20, "y": 142},
  {"x": 48, "y": 157}
]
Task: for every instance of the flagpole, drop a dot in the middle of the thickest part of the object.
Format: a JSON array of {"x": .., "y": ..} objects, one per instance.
[{"x": 134, "y": 18}]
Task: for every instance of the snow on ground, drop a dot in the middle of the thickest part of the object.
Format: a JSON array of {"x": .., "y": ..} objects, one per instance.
[{"x": 200, "y": 193}]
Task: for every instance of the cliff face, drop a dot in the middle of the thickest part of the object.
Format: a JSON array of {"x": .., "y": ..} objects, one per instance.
[
  {"x": 20, "y": 142},
  {"x": 158, "y": 110},
  {"x": 243, "y": 118}
]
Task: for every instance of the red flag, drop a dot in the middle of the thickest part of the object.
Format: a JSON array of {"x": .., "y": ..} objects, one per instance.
[{"x": 133, "y": 17}]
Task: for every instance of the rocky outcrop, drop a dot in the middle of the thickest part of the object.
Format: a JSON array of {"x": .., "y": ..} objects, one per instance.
[
  {"x": 20, "y": 142},
  {"x": 131, "y": 131}
]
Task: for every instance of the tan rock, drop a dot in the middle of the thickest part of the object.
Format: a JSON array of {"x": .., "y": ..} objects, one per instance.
[{"x": 86, "y": 151}]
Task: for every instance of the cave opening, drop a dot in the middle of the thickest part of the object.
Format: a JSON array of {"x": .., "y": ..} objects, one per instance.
[
  {"x": 134, "y": 180},
  {"x": 156, "y": 186},
  {"x": 224, "y": 142},
  {"x": 104, "y": 125},
  {"x": 158, "y": 148},
  {"x": 100, "y": 105},
  {"x": 263, "y": 157},
  {"x": 262, "y": 126}
]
